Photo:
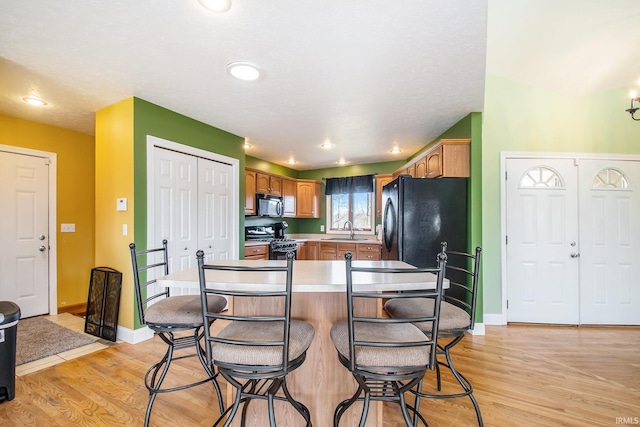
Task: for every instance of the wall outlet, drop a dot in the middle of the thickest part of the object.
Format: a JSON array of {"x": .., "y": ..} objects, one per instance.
[
  {"x": 322, "y": 228},
  {"x": 67, "y": 228}
]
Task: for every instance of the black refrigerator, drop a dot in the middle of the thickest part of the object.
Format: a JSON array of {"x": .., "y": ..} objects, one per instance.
[{"x": 419, "y": 214}]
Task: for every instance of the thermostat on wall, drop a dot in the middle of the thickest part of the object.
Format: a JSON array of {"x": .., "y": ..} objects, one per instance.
[{"x": 121, "y": 204}]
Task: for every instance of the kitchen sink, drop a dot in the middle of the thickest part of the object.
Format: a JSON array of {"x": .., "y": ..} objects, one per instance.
[{"x": 344, "y": 239}]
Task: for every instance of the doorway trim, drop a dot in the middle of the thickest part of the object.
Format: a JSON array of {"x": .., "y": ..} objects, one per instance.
[
  {"x": 501, "y": 318},
  {"x": 52, "y": 223},
  {"x": 154, "y": 141}
]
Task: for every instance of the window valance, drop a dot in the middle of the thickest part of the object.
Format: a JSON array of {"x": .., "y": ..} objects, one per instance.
[{"x": 349, "y": 184}]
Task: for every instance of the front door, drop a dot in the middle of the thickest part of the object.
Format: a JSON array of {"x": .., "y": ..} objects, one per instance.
[
  {"x": 610, "y": 242},
  {"x": 542, "y": 235},
  {"x": 24, "y": 232},
  {"x": 573, "y": 240}
]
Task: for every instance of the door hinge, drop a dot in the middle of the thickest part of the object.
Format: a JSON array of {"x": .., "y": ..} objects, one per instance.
[
  {"x": 505, "y": 175},
  {"x": 507, "y": 304},
  {"x": 47, "y": 161},
  {"x": 506, "y": 240}
]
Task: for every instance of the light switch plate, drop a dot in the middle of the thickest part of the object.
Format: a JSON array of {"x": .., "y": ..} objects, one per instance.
[{"x": 67, "y": 228}]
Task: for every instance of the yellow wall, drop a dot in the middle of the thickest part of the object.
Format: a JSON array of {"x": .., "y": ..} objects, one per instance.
[
  {"x": 114, "y": 179},
  {"x": 75, "y": 198}
]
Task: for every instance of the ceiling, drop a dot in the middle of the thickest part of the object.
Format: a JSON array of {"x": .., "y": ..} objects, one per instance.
[{"x": 364, "y": 74}]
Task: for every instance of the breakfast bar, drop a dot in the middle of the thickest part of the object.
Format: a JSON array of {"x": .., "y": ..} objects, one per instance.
[{"x": 319, "y": 298}]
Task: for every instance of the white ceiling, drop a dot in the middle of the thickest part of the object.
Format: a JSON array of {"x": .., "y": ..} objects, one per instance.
[{"x": 364, "y": 73}]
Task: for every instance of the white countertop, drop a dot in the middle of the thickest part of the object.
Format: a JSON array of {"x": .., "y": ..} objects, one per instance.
[{"x": 308, "y": 276}]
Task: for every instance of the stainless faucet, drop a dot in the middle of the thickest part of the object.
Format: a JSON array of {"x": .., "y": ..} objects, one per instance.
[{"x": 350, "y": 228}]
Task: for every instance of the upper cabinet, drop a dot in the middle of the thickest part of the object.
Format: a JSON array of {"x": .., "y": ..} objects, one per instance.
[
  {"x": 289, "y": 192},
  {"x": 381, "y": 181},
  {"x": 249, "y": 192},
  {"x": 268, "y": 184},
  {"x": 445, "y": 158},
  {"x": 308, "y": 199},
  {"x": 301, "y": 196}
]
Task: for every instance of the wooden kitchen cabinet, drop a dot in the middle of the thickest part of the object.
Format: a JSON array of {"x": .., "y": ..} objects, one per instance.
[
  {"x": 308, "y": 199},
  {"x": 368, "y": 252},
  {"x": 268, "y": 184},
  {"x": 313, "y": 250},
  {"x": 434, "y": 163},
  {"x": 328, "y": 251},
  {"x": 421, "y": 168},
  {"x": 256, "y": 252},
  {"x": 289, "y": 194},
  {"x": 445, "y": 158},
  {"x": 381, "y": 181},
  {"x": 249, "y": 192},
  {"x": 302, "y": 251},
  {"x": 343, "y": 248}
]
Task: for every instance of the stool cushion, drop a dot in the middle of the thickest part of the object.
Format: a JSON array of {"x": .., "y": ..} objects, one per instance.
[
  {"x": 452, "y": 317},
  {"x": 382, "y": 332},
  {"x": 300, "y": 337},
  {"x": 183, "y": 310}
]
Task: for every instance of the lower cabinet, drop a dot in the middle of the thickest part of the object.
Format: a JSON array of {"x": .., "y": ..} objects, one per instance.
[
  {"x": 256, "y": 252},
  {"x": 368, "y": 252},
  {"x": 329, "y": 251},
  {"x": 302, "y": 251},
  {"x": 313, "y": 250}
]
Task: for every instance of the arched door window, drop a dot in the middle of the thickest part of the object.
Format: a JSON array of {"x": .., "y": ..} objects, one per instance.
[
  {"x": 541, "y": 177},
  {"x": 610, "y": 179}
]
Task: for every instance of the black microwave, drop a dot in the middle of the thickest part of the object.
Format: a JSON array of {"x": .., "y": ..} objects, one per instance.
[{"x": 268, "y": 205}]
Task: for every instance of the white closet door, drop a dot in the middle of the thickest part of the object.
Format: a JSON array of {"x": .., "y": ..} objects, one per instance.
[
  {"x": 610, "y": 242},
  {"x": 214, "y": 197},
  {"x": 176, "y": 208}
]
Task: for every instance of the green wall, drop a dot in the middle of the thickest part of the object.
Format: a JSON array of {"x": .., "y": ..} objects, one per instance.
[{"x": 525, "y": 119}]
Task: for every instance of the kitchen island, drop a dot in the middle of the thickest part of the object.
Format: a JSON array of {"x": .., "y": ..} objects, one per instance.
[{"x": 319, "y": 298}]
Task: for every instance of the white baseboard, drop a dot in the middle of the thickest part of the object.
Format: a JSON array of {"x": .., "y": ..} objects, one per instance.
[
  {"x": 478, "y": 329},
  {"x": 134, "y": 336},
  {"x": 494, "y": 319}
]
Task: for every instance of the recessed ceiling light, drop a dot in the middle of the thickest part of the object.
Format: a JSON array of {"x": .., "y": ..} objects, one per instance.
[
  {"x": 291, "y": 161},
  {"x": 342, "y": 162},
  {"x": 327, "y": 144},
  {"x": 243, "y": 71},
  {"x": 34, "y": 100},
  {"x": 247, "y": 145},
  {"x": 216, "y": 5},
  {"x": 395, "y": 150}
]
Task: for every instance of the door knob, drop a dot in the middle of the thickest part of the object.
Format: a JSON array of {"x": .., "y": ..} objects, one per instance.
[
  {"x": 42, "y": 248},
  {"x": 575, "y": 255}
]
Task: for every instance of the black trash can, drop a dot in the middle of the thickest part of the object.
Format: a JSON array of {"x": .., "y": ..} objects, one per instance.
[{"x": 9, "y": 316}]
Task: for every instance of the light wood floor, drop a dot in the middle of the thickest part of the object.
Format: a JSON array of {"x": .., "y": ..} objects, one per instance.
[{"x": 523, "y": 375}]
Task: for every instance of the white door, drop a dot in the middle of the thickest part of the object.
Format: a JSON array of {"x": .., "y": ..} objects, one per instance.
[
  {"x": 192, "y": 208},
  {"x": 542, "y": 233},
  {"x": 610, "y": 242},
  {"x": 24, "y": 232},
  {"x": 214, "y": 209},
  {"x": 176, "y": 206}
]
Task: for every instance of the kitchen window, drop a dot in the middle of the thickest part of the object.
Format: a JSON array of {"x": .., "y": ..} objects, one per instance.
[{"x": 350, "y": 199}]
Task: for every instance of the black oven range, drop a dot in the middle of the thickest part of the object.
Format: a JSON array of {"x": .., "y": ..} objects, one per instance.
[{"x": 279, "y": 244}]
